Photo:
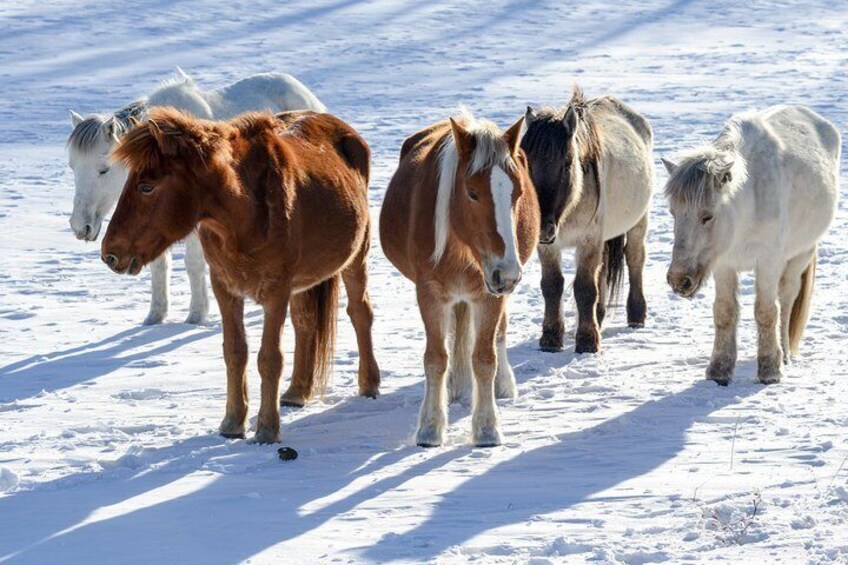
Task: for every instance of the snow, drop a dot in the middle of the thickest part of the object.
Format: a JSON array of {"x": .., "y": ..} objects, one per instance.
[{"x": 108, "y": 450}]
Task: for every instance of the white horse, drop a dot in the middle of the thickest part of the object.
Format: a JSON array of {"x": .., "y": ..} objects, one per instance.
[
  {"x": 758, "y": 198},
  {"x": 99, "y": 182}
]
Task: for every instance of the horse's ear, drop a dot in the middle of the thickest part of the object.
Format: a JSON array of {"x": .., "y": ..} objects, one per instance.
[
  {"x": 570, "y": 119},
  {"x": 529, "y": 115},
  {"x": 165, "y": 146},
  {"x": 76, "y": 119},
  {"x": 465, "y": 142},
  {"x": 719, "y": 169},
  {"x": 512, "y": 136},
  {"x": 112, "y": 129},
  {"x": 669, "y": 166},
  {"x": 134, "y": 121}
]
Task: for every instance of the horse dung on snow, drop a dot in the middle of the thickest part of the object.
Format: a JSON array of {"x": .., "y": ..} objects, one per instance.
[
  {"x": 98, "y": 181},
  {"x": 757, "y": 198},
  {"x": 280, "y": 204}
]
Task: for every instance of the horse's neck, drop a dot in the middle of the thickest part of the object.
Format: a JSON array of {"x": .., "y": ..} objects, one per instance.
[{"x": 184, "y": 97}]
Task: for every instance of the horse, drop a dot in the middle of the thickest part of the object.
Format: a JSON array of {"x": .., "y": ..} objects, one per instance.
[
  {"x": 281, "y": 208},
  {"x": 459, "y": 219},
  {"x": 593, "y": 171},
  {"x": 759, "y": 197},
  {"x": 99, "y": 182}
]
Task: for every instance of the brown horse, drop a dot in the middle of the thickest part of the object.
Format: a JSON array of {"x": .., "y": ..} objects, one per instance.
[
  {"x": 281, "y": 208},
  {"x": 459, "y": 219}
]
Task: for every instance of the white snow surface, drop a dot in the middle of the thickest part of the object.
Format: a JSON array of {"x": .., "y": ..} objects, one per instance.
[{"x": 108, "y": 444}]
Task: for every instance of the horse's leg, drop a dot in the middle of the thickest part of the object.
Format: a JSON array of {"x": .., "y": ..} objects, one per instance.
[
  {"x": 196, "y": 270},
  {"x": 160, "y": 277},
  {"x": 460, "y": 372},
  {"x": 553, "y": 327},
  {"x": 504, "y": 379},
  {"x": 271, "y": 367},
  {"x": 433, "y": 418},
  {"x": 235, "y": 357},
  {"x": 304, "y": 309},
  {"x": 725, "y": 316},
  {"x": 488, "y": 315},
  {"x": 790, "y": 286},
  {"x": 634, "y": 253},
  {"x": 588, "y": 257},
  {"x": 767, "y": 314},
  {"x": 355, "y": 278}
]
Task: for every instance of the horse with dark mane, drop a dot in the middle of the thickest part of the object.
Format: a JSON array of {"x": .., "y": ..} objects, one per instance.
[
  {"x": 280, "y": 204},
  {"x": 592, "y": 168}
]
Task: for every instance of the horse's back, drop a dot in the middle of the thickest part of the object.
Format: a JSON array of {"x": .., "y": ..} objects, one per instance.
[
  {"x": 792, "y": 157},
  {"x": 267, "y": 91},
  {"x": 626, "y": 164},
  {"x": 410, "y": 196}
]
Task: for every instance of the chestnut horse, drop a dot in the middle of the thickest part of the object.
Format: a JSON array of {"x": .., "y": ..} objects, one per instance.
[
  {"x": 460, "y": 218},
  {"x": 281, "y": 208}
]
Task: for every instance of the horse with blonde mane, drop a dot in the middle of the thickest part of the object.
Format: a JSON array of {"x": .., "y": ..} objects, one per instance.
[
  {"x": 758, "y": 198},
  {"x": 281, "y": 208},
  {"x": 459, "y": 219},
  {"x": 98, "y": 181}
]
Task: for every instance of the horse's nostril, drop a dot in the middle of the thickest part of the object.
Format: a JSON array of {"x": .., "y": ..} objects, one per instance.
[
  {"x": 110, "y": 260},
  {"x": 496, "y": 278},
  {"x": 686, "y": 283},
  {"x": 87, "y": 229}
]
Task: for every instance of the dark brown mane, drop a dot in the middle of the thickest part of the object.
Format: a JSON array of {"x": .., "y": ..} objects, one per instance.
[{"x": 167, "y": 133}]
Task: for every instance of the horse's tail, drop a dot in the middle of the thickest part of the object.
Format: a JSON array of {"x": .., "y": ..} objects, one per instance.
[
  {"x": 325, "y": 296},
  {"x": 614, "y": 265},
  {"x": 460, "y": 372},
  {"x": 801, "y": 307}
]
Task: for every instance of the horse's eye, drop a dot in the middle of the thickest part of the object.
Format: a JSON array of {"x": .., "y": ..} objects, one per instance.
[
  {"x": 706, "y": 218},
  {"x": 145, "y": 188},
  {"x": 473, "y": 196},
  {"x": 104, "y": 170}
]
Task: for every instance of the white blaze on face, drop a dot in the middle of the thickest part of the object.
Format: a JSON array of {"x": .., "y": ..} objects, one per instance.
[{"x": 502, "y": 188}]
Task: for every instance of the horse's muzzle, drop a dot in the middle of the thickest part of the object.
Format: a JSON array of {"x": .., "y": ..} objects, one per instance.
[
  {"x": 684, "y": 285},
  {"x": 548, "y": 233},
  {"x": 131, "y": 267}
]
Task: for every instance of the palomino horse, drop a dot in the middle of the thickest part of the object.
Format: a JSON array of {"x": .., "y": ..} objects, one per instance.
[
  {"x": 280, "y": 204},
  {"x": 758, "y": 198},
  {"x": 99, "y": 182},
  {"x": 593, "y": 171},
  {"x": 459, "y": 219}
]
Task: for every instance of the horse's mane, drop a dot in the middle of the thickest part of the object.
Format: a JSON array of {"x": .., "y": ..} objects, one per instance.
[
  {"x": 699, "y": 172},
  {"x": 490, "y": 150},
  {"x": 169, "y": 132},
  {"x": 85, "y": 136},
  {"x": 549, "y": 128}
]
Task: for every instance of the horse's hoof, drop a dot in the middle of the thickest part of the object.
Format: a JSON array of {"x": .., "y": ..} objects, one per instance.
[
  {"x": 196, "y": 319},
  {"x": 721, "y": 371},
  {"x": 505, "y": 389},
  {"x": 231, "y": 429},
  {"x": 770, "y": 378},
  {"x": 369, "y": 391},
  {"x": 266, "y": 436},
  {"x": 429, "y": 436},
  {"x": 293, "y": 399},
  {"x": 551, "y": 343},
  {"x": 636, "y": 325},
  {"x": 488, "y": 436},
  {"x": 154, "y": 318},
  {"x": 586, "y": 346}
]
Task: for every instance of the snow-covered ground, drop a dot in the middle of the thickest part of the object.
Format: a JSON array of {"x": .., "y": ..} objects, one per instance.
[{"x": 108, "y": 445}]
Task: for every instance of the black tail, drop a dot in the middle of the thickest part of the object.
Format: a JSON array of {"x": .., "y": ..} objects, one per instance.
[{"x": 614, "y": 265}]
